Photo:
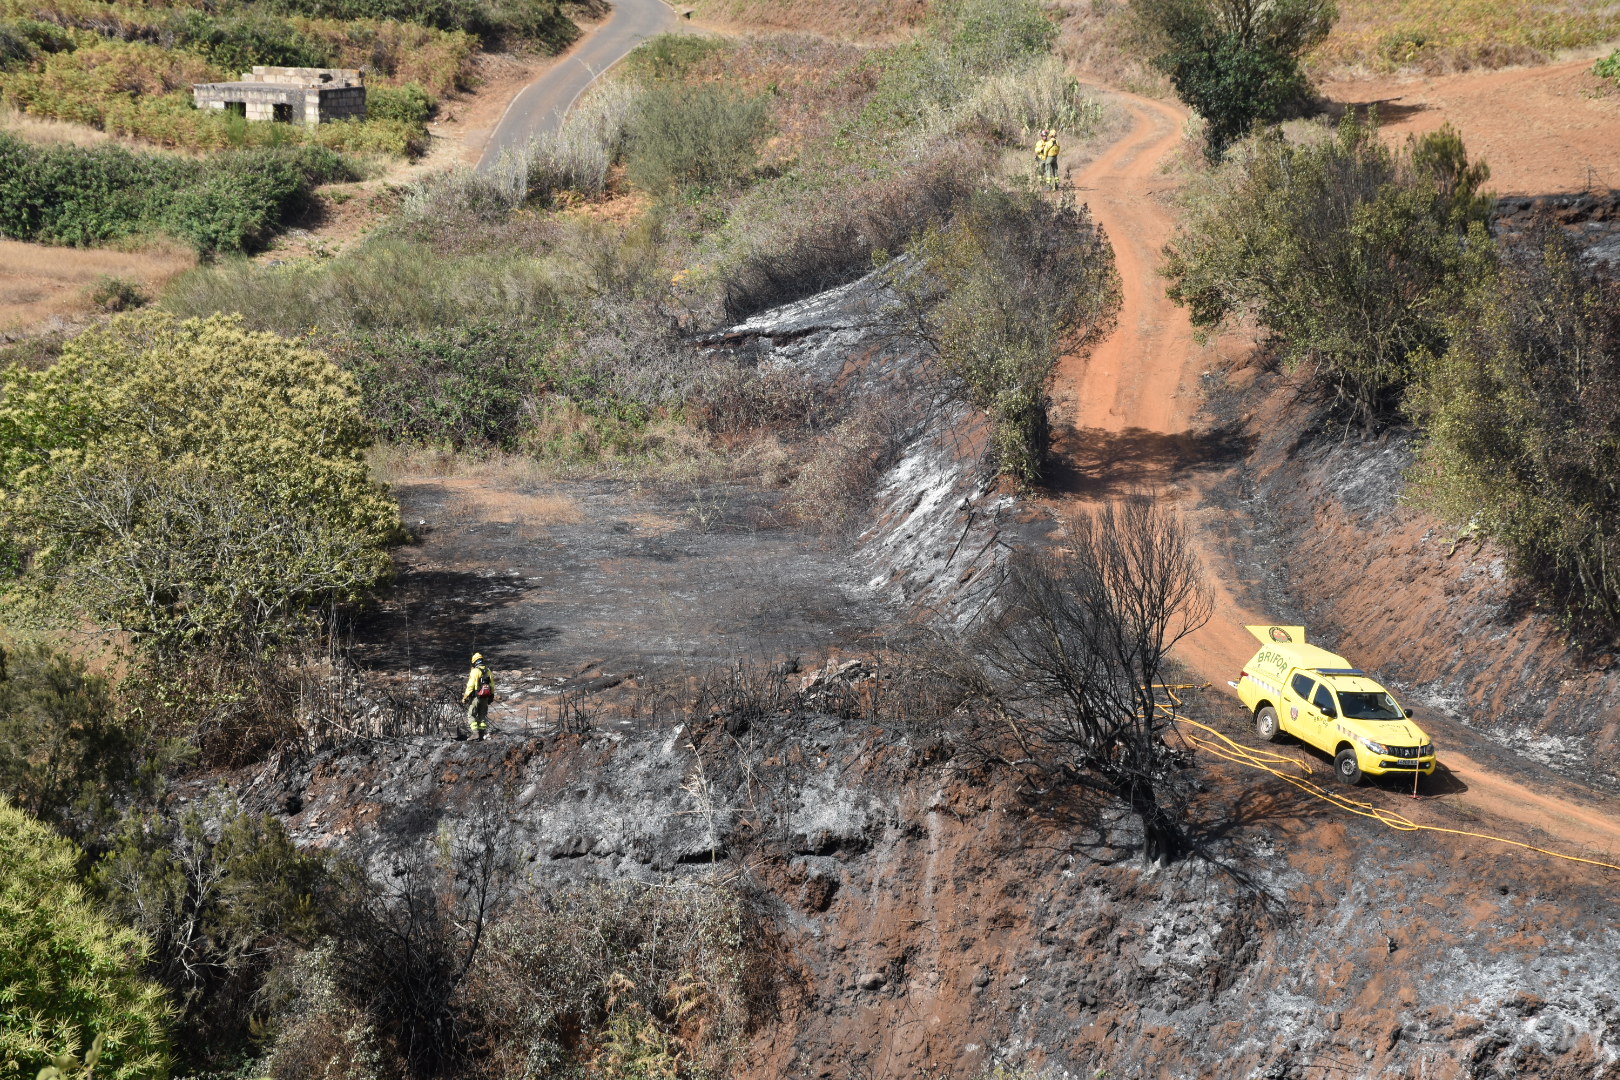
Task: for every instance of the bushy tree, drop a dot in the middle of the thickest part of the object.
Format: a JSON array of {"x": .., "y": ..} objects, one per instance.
[
  {"x": 1523, "y": 424},
  {"x": 997, "y": 295},
  {"x": 221, "y": 895},
  {"x": 63, "y": 754},
  {"x": 703, "y": 135},
  {"x": 1350, "y": 254},
  {"x": 190, "y": 484},
  {"x": 68, "y": 974},
  {"x": 1235, "y": 62}
]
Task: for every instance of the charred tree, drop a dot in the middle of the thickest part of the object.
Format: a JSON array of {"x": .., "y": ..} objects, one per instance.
[{"x": 1080, "y": 645}]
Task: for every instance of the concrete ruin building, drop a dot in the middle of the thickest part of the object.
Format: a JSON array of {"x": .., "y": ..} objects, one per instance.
[{"x": 289, "y": 95}]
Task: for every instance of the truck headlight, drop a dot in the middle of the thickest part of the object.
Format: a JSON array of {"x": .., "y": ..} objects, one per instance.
[{"x": 1375, "y": 747}]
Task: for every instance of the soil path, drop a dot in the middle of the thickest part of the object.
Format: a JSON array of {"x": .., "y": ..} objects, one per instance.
[
  {"x": 541, "y": 105},
  {"x": 1131, "y": 404}
]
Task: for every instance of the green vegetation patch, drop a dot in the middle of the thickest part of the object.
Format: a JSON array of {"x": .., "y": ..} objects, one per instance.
[
  {"x": 67, "y": 973},
  {"x": 233, "y": 202},
  {"x": 1350, "y": 254},
  {"x": 193, "y": 484}
]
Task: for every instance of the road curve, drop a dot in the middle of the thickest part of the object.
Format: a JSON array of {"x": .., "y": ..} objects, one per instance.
[
  {"x": 1132, "y": 402},
  {"x": 541, "y": 106}
]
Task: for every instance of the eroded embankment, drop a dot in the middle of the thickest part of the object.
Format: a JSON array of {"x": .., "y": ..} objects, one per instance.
[
  {"x": 1328, "y": 538},
  {"x": 940, "y": 524},
  {"x": 928, "y": 916}
]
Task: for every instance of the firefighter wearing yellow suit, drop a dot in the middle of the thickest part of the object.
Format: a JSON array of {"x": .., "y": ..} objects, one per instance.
[
  {"x": 1046, "y": 157},
  {"x": 479, "y": 693}
]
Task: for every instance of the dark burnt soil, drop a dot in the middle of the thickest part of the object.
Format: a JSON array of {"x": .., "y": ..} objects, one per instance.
[
  {"x": 587, "y": 586},
  {"x": 929, "y": 915}
]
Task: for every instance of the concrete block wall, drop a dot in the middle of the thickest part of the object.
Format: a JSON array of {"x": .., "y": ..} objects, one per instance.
[
  {"x": 306, "y": 104},
  {"x": 289, "y": 76}
]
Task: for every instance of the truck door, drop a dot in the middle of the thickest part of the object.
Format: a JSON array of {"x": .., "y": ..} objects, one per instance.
[
  {"x": 1296, "y": 717},
  {"x": 1325, "y": 711}
]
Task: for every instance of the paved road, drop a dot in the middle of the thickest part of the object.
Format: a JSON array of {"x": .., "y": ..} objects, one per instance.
[{"x": 542, "y": 104}]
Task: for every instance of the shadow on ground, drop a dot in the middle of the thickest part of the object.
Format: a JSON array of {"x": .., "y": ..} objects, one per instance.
[{"x": 1094, "y": 462}]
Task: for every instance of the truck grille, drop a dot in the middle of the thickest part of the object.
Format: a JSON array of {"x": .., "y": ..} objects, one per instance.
[{"x": 1411, "y": 751}]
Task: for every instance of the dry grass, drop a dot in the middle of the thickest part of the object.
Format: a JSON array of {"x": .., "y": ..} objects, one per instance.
[
  {"x": 1437, "y": 36},
  {"x": 39, "y": 283},
  {"x": 478, "y": 500},
  {"x": 849, "y": 20},
  {"x": 43, "y": 131}
]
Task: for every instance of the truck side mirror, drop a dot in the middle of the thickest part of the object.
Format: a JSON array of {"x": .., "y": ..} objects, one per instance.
[
  {"x": 1330, "y": 712},
  {"x": 1408, "y": 714}
]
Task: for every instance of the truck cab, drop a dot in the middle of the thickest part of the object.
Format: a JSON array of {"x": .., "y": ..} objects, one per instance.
[{"x": 1293, "y": 687}]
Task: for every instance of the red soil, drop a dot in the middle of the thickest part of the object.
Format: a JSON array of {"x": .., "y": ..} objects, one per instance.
[{"x": 1543, "y": 130}]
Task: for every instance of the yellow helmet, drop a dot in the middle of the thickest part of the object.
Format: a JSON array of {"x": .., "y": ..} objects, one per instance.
[{"x": 478, "y": 658}]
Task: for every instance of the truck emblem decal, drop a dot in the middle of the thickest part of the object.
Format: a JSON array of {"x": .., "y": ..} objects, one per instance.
[
  {"x": 1293, "y": 712},
  {"x": 1279, "y": 634}
]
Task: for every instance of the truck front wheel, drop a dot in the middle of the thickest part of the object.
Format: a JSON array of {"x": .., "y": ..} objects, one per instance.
[
  {"x": 1346, "y": 765},
  {"x": 1266, "y": 726}
]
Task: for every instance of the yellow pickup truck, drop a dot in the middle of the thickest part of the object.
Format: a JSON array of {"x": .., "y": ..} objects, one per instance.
[{"x": 1322, "y": 699}]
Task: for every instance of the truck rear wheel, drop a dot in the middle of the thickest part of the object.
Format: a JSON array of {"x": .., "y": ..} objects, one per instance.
[
  {"x": 1266, "y": 726},
  {"x": 1347, "y": 767}
]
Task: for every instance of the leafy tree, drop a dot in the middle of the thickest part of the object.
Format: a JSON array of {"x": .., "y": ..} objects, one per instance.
[
  {"x": 1523, "y": 424},
  {"x": 1005, "y": 288},
  {"x": 1353, "y": 256},
  {"x": 1235, "y": 62},
  {"x": 67, "y": 974},
  {"x": 189, "y": 484}
]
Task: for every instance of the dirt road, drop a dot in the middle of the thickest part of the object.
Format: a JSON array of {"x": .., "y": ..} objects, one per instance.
[
  {"x": 1132, "y": 403},
  {"x": 541, "y": 106}
]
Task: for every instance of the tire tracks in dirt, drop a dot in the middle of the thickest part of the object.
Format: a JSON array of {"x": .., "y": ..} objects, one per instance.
[{"x": 1132, "y": 401}]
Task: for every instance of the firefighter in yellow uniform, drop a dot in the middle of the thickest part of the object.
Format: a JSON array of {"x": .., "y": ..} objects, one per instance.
[
  {"x": 1046, "y": 157},
  {"x": 479, "y": 693}
]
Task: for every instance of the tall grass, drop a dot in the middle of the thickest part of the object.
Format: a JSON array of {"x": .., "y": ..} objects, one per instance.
[{"x": 1012, "y": 106}]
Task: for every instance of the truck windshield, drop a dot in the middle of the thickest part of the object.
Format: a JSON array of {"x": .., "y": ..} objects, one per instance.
[{"x": 1360, "y": 705}]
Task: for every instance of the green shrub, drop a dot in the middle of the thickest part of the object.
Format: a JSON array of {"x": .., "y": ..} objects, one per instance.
[
  {"x": 674, "y": 56},
  {"x": 538, "y": 21},
  {"x": 1234, "y": 62},
  {"x": 1350, "y": 254},
  {"x": 470, "y": 384},
  {"x": 63, "y": 755},
  {"x": 237, "y": 42},
  {"x": 383, "y": 285},
  {"x": 222, "y": 895},
  {"x": 191, "y": 485},
  {"x": 969, "y": 40},
  {"x": 1522, "y": 425},
  {"x": 233, "y": 202},
  {"x": 69, "y": 974},
  {"x": 985, "y": 36},
  {"x": 114, "y": 294},
  {"x": 999, "y": 295},
  {"x": 1608, "y": 67},
  {"x": 685, "y": 136},
  {"x": 408, "y": 104}
]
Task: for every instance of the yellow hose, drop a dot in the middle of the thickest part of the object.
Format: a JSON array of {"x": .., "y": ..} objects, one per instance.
[{"x": 1228, "y": 749}]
